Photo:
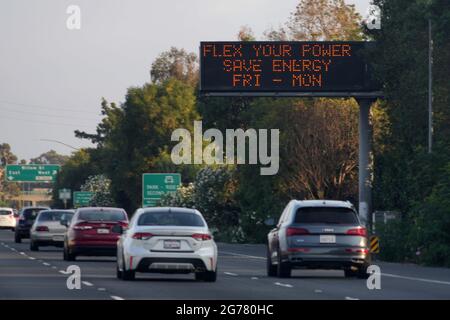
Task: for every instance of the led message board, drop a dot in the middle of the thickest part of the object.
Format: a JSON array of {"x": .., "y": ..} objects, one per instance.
[{"x": 257, "y": 68}]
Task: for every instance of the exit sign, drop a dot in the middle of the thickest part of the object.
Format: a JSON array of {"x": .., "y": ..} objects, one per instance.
[{"x": 31, "y": 172}]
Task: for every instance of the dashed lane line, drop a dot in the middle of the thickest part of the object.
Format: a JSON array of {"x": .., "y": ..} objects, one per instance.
[
  {"x": 350, "y": 298},
  {"x": 231, "y": 274},
  {"x": 286, "y": 285},
  {"x": 242, "y": 255},
  {"x": 87, "y": 283},
  {"x": 117, "y": 298}
]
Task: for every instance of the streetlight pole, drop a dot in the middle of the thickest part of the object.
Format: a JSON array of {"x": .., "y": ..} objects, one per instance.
[{"x": 64, "y": 144}]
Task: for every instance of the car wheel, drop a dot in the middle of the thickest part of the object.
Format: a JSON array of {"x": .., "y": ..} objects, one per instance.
[
  {"x": 271, "y": 269},
  {"x": 118, "y": 272},
  {"x": 17, "y": 238},
  {"x": 208, "y": 276},
  {"x": 68, "y": 256},
  {"x": 283, "y": 268},
  {"x": 362, "y": 273},
  {"x": 127, "y": 275},
  {"x": 33, "y": 246}
]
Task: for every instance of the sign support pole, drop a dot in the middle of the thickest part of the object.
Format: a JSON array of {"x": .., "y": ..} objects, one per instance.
[{"x": 365, "y": 163}]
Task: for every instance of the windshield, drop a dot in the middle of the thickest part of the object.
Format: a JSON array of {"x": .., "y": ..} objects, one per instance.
[
  {"x": 51, "y": 215},
  {"x": 326, "y": 215},
  {"x": 102, "y": 215},
  {"x": 170, "y": 219}
]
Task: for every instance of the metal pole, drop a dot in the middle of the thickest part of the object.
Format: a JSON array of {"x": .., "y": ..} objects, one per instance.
[
  {"x": 430, "y": 91},
  {"x": 365, "y": 166}
]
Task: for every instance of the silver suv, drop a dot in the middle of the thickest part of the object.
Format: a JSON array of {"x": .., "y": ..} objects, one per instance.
[{"x": 318, "y": 234}]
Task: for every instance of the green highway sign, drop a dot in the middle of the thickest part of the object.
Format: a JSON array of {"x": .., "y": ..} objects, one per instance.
[
  {"x": 82, "y": 198},
  {"x": 31, "y": 172},
  {"x": 155, "y": 185}
]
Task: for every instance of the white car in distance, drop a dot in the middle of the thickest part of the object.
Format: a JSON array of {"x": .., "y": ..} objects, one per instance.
[{"x": 166, "y": 240}]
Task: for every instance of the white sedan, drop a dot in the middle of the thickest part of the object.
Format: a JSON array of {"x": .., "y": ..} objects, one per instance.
[{"x": 167, "y": 240}]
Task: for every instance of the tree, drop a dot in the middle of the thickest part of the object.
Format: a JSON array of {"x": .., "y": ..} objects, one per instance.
[
  {"x": 175, "y": 64},
  {"x": 50, "y": 157},
  {"x": 320, "y": 20},
  {"x": 100, "y": 186},
  {"x": 7, "y": 189}
]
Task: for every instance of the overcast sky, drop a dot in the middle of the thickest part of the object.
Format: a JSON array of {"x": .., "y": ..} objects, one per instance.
[{"x": 52, "y": 79}]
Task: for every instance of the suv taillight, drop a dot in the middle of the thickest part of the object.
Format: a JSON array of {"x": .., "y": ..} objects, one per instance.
[
  {"x": 357, "y": 232},
  {"x": 42, "y": 229},
  {"x": 142, "y": 235},
  {"x": 201, "y": 236},
  {"x": 296, "y": 231}
]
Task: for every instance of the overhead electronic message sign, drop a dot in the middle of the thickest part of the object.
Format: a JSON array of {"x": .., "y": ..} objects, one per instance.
[{"x": 327, "y": 68}]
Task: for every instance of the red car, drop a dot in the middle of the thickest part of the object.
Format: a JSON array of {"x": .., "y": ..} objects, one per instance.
[{"x": 91, "y": 232}]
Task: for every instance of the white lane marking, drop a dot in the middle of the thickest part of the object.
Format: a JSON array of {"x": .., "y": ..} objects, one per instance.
[
  {"x": 13, "y": 249},
  {"x": 46, "y": 264},
  {"x": 350, "y": 298},
  {"x": 32, "y": 258},
  {"x": 231, "y": 274},
  {"x": 242, "y": 255},
  {"x": 254, "y": 278},
  {"x": 101, "y": 289},
  {"x": 86, "y": 283},
  {"x": 318, "y": 291},
  {"x": 117, "y": 298},
  {"x": 54, "y": 267},
  {"x": 286, "y": 285},
  {"x": 22, "y": 253},
  {"x": 415, "y": 279}
]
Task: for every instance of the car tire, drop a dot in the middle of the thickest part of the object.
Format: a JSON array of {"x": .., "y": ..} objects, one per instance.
[
  {"x": 118, "y": 272},
  {"x": 33, "y": 246},
  {"x": 208, "y": 276},
  {"x": 283, "y": 268},
  {"x": 17, "y": 238},
  {"x": 362, "y": 273},
  {"x": 271, "y": 268},
  {"x": 68, "y": 256},
  {"x": 127, "y": 275}
]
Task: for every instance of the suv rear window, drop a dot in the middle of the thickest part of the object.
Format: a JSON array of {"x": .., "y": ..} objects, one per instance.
[
  {"x": 5, "y": 212},
  {"x": 102, "y": 215},
  {"x": 182, "y": 219},
  {"x": 327, "y": 215},
  {"x": 31, "y": 214}
]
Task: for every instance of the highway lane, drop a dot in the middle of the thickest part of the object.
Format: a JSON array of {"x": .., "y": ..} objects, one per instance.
[{"x": 39, "y": 275}]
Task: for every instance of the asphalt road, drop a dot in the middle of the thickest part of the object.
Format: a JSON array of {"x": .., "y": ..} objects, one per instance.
[{"x": 41, "y": 275}]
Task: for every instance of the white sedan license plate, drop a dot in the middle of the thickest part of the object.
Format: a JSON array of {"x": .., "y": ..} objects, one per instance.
[
  {"x": 172, "y": 244},
  {"x": 58, "y": 238},
  {"x": 103, "y": 231},
  {"x": 327, "y": 239}
]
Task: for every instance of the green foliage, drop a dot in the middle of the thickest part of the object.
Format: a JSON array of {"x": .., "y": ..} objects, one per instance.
[
  {"x": 50, "y": 157},
  {"x": 100, "y": 185}
]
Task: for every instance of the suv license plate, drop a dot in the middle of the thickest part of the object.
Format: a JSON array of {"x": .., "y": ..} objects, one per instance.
[
  {"x": 103, "y": 231},
  {"x": 172, "y": 244},
  {"x": 328, "y": 239}
]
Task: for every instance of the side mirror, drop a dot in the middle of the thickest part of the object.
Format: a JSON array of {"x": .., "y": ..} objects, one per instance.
[
  {"x": 270, "y": 222},
  {"x": 117, "y": 229}
]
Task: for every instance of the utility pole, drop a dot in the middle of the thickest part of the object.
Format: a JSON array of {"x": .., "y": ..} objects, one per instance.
[
  {"x": 430, "y": 89},
  {"x": 365, "y": 163}
]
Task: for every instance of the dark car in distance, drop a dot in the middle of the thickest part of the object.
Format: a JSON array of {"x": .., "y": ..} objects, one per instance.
[
  {"x": 27, "y": 216},
  {"x": 91, "y": 232}
]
